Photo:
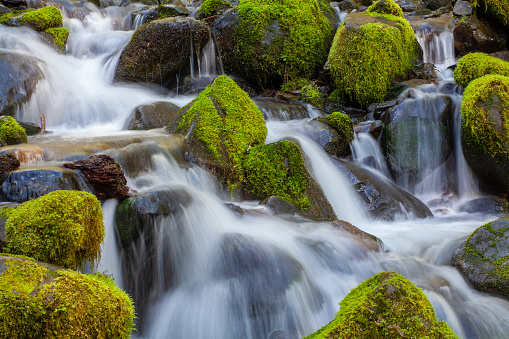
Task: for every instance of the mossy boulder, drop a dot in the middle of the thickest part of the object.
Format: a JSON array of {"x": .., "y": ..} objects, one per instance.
[
  {"x": 211, "y": 7},
  {"x": 485, "y": 130},
  {"x": 40, "y": 20},
  {"x": 496, "y": 8},
  {"x": 278, "y": 169},
  {"x": 11, "y": 133},
  {"x": 388, "y": 7},
  {"x": 160, "y": 50},
  {"x": 221, "y": 124},
  {"x": 484, "y": 258},
  {"x": 386, "y": 305},
  {"x": 57, "y": 37},
  {"x": 269, "y": 43},
  {"x": 475, "y": 65},
  {"x": 64, "y": 228},
  {"x": 368, "y": 52},
  {"x": 343, "y": 125},
  {"x": 38, "y": 300}
]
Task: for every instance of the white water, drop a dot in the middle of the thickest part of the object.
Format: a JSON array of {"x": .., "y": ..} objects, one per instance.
[
  {"x": 438, "y": 49},
  {"x": 251, "y": 276},
  {"x": 366, "y": 150}
]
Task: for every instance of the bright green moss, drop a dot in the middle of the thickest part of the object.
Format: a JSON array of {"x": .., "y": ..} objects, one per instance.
[
  {"x": 6, "y": 212},
  {"x": 476, "y": 65},
  {"x": 279, "y": 41},
  {"x": 312, "y": 95},
  {"x": 211, "y": 7},
  {"x": 13, "y": 14},
  {"x": 227, "y": 122},
  {"x": 59, "y": 36},
  {"x": 478, "y": 129},
  {"x": 44, "y": 18},
  {"x": 36, "y": 302},
  {"x": 386, "y": 7},
  {"x": 386, "y": 305},
  {"x": 11, "y": 133},
  {"x": 498, "y": 8},
  {"x": 277, "y": 169},
  {"x": 296, "y": 84},
  {"x": 64, "y": 228},
  {"x": 364, "y": 62},
  {"x": 341, "y": 123}
]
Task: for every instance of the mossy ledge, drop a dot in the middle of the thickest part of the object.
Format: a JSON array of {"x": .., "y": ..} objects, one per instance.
[
  {"x": 368, "y": 52},
  {"x": 386, "y": 305},
  {"x": 221, "y": 123},
  {"x": 64, "y": 228},
  {"x": 41, "y": 301},
  {"x": 475, "y": 65},
  {"x": 498, "y": 8},
  {"x": 58, "y": 36},
  {"x": 11, "y": 133},
  {"x": 40, "y": 20},
  {"x": 211, "y": 7}
]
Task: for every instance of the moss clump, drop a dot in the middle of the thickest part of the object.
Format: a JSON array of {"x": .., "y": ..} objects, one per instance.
[
  {"x": 313, "y": 96},
  {"x": 279, "y": 41},
  {"x": 63, "y": 227},
  {"x": 386, "y": 305},
  {"x": 36, "y": 302},
  {"x": 343, "y": 125},
  {"x": 498, "y": 8},
  {"x": 296, "y": 84},
  {"x": 11, "y": 133},
  {"x": 476, "y": 65},
  {"x": 386, "y": 7},
  {"x": 59, "y": 36},
  {"x": 211, "y": 7},
  {"x": 7, "y": 211},
  {"x": 42, "y": 19},
  {"x": 277, "y": 169},
  {"x": 365, "y": 60},
  {"x": 225, "y": 122}
]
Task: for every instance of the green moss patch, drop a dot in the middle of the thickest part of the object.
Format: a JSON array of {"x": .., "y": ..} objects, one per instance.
[
  {"x": 42, "y": 19},
  {"x": 365, "y": 59},
  {"x": 498, "y": 8},
  {"x": 313, "y": 96},
  {"x": 11, "y": 133},
  {"x": 386, "y": 7},
  {"x": 59, "y": 36},
  {"x": 281, "y": 40},
  {"x": 386, "y": 305},
  {"x": 225, "y": 122},
  {"x": 39, "y": 302},
  {"x": 277, "y": 169},
  {"x": 63, "y": 227},
  {"x": 476, "y": 65},
  {"x": 211, "y": 7}
]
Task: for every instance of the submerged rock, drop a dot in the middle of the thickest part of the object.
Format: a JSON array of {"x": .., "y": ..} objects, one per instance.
[
  {"x": 491, "y": 204},
  {"x": 368, "y": 241},
  {"x": 44, "y": 301},
  {"x": 160, "y": 51},
  {"x": 386, "y": 305},
  {"x": 104, "y": 175},
  {"x": 382, "y": 199},
  {"x": 279, "y": 206},
  {"x": 156, "y": 115},
  {"x": 18, "y": 77},
  {"x": 484, "y": 258}
]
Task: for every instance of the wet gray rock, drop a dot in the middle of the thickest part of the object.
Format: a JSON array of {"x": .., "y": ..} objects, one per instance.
[
  {"x": 368, "y": 241},
  {"x": 4, "y": 10},
  {"x": 381, "y": 198},
  {"x": 279, "y": 206},
  {"x": 27, "y": 184},
  {"x": 30, "y": 128},
  {"x": 462, "y": 8},
  {"x": 436, "y": 4},
  {"x": 373, "y": 127},
  {"x": 156, "y": 115},
  {"x": 19, "y": 76},
  {"x": 472, "y": 34},
  {"x": 346, "y": 5},
  {"x": 484, "y": 257},
  {"x": 490, "y": 205},
  {"x": 411, "y": 6}
]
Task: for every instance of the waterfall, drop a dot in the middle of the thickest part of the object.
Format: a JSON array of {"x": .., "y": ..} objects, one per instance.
[
  {"x": 438, "y": 49},
  {"x": 366, "y": 151},
  {"x": 210, "y": 60}
]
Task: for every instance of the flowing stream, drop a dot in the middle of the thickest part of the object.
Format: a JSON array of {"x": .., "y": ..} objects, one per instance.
[{"x": 253, "y": 275}]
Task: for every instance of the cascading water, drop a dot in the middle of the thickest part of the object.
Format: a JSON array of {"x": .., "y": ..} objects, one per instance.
[
  {"x": 366, "y": 150},
  {"x": 215, "y": 273}
]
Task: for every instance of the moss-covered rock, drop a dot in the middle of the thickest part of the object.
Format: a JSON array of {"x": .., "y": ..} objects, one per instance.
[
  {"x": 57, "y": 37},
  {"x": 368, "y": 52},
  {"x": 386, "y": 7},
  {"x": 312, "y": 95},
  {"x": 64, "y": 228},
  {"x": 483, "y": 258},
  {"x": 270, "y": 42},
  {"x": 221, "y": 123},
  {"x": 211, "y": 7},
  {"x": 344, "y": 126},
  {"x": 485, "y": 130},
  {"x": 278, "y": 169},
  {"x": 40, "y": 20},
  {"x": 11, "y": 133},
  {"x": 160, "y": 50},
  {"x": 497, "y": 8},
  {"x": 42, "y": 301},
  {"x": 386, "y": 305},
  {"x": 476, "y": 65}
]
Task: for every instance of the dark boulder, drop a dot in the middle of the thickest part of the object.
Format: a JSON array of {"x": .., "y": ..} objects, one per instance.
[
  {"x": 382, "y": 199},
  {"x": 472, "y": 34},
  {"x": 8, "y": 163},
  {"x": 436, "y": 4},
  {"x": 490, "y": 205},
  {"x": 161, "y": 50},
  {"x": 4, "y": 10},
  {"x": 30, "y": 128},
  {"x": 104, "y": 175},
  {"x": 18, "y": 77},
  {"x": 156, "y": 115},
  {"x": 27, "y": 184},
  {"x": 484, "y": 257}
]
